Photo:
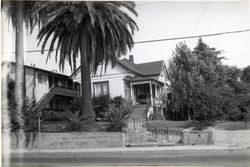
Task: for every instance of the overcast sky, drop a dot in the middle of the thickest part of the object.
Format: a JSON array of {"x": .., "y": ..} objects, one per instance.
[
  {"x": 169, "y": 19},
  {"x": 159, "y": 20}
]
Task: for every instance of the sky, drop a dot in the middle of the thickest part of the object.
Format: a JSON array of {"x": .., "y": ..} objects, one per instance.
[{"x": 167, "y": 19}]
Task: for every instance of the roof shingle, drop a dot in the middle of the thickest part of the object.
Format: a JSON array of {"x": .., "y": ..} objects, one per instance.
[{"x": 144, "y": 69}]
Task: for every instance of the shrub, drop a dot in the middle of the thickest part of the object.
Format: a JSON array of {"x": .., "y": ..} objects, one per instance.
[
  {"x": 157, "y": 114},
  {"x": 117, "y": 101},
  {"x": 100, "y": 105},
  {"x": 118, "y": 116}
]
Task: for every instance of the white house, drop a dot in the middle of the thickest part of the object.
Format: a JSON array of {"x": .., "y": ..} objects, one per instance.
[{"x": 140, "y": 82}]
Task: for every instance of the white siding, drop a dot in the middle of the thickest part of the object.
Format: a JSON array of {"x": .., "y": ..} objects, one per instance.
[
  {"x": 116, "y": 87},
  {"x": 41, "y": 89},
  {"x": 113, "y": 75},
  {"x": 29, "y": 82},
  {"x": 163, "y": 76}
]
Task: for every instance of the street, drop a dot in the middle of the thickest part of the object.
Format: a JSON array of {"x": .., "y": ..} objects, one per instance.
[{"x": 239, "y": 158}]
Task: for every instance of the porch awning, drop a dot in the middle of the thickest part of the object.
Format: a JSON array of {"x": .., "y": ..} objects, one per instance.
[{"x": 150, "y": 78}]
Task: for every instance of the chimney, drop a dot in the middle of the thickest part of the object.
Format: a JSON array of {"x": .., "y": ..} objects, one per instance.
[{"x": 131, "y": 58}]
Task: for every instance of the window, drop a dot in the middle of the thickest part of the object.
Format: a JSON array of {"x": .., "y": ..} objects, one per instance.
[
  {"x": 101, "y": 88},
  {"x": 42, "y": 79}
]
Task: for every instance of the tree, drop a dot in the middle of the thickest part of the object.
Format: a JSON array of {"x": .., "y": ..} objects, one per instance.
[
  {"x": 19, "y": 13},
  {"x": 246, "y": 75},
  {"x": 203, "y": 85},
  {"x": 99, "y": 31},
  {"x": 183, "y": 77}
]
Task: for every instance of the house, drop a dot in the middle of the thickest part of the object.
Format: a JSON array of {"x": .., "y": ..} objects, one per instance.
[
  {"x": 44, "y": 89},
  {"x": 140, "y": 82}
]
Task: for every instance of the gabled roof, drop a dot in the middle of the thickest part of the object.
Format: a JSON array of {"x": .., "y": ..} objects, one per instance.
[
  {"x": 143, "y": 69},
  {"x": 130, "y": 66},
  {"x": 151, "y": 68}
]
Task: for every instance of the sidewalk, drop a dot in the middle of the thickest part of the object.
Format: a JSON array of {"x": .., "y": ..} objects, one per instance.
[{"x": 128, "y": 151}]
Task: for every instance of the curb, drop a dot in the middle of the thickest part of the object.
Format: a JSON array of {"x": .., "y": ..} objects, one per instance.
[{"x": 127, "y": 151}]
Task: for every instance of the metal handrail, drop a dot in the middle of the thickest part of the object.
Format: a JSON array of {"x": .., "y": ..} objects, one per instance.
[
  {"x": 31, "y": 104},
  {"x": 43, "y": 97}
]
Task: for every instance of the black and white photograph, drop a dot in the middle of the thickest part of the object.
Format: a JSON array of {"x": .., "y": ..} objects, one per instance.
[{"x": 125, "y": 83}]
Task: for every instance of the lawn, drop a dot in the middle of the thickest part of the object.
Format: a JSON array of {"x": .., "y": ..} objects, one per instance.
[
  {"x": 231, "y": 125},
  {"x": 222, "y": 125}
]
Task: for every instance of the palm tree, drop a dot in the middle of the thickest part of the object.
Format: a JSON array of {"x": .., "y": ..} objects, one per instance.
[
  {"x": 99, "y": 31},
  {"x": 19, "y": 13}
]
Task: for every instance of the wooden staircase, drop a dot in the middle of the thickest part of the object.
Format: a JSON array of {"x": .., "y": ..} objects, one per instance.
[{"x": 42, "y": 102}]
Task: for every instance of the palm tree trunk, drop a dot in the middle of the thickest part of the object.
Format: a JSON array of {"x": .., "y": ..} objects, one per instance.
[
  {"x": 86, "y": 104},
  {"x": 19, "y": 71}
]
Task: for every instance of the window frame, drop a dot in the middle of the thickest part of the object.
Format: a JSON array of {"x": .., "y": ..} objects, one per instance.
[
  {"x": 43, "y": 79},
  {"x": 100, "y": 82}
]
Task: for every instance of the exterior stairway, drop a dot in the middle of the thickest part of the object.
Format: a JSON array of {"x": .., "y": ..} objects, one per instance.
[
  {"x": 42, "y": 102},
  {"x": 138, "y": 113}
]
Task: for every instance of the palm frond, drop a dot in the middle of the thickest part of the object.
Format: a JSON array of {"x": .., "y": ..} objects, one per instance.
[{"x": 100, "y": 29}]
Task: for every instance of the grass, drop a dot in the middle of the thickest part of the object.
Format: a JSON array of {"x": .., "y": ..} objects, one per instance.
[
  {"x": 231, "y": 125},
  {"x": 222, "y": 125}
]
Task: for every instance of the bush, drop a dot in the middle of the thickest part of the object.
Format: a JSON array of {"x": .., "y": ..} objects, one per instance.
[
  {"x": 100, "y": 105},
  {"x": 118, "y": 116},
  {"x": 117, "y": 101},
  {"x": 157, "y": 115}
]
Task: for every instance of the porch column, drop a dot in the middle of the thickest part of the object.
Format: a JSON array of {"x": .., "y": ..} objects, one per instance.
[
  {"x": 156, "y": 90},
  {"x": 151, "y": 93},
  {"x": 132, "y": 94}
]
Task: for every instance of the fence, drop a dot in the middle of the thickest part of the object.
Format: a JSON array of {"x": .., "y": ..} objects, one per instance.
[{"x": 157, "y": 129}]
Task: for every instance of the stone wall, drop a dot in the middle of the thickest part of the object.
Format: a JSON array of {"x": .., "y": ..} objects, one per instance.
[
  {"x": 192, "y": 137},
  {"x": 216, "y": 137},
  {"x": 68, "y": 140}
]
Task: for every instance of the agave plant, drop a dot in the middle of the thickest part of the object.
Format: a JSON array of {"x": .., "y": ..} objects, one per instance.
[{"x": 118, "y": 116}]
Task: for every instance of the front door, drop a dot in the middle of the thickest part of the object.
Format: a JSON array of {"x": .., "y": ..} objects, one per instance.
[{"x": 142, "y": 93}]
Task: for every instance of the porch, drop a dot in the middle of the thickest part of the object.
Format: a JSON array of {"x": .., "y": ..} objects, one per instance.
[{"x": 144, "y": 92}]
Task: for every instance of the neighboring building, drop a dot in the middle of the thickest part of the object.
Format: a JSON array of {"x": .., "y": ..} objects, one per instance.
[
  {"x": 45, "y": 88},
  {"x": 140, "y": 82}
]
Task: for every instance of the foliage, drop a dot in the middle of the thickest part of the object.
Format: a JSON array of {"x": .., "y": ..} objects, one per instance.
[
  {"x": 204, "y": 86},
  {"x": 72, "y": 115},
  {"x": 10, "y": 8},
  {"x": 183, "y": 76},
  {"x": 246, "y": 75},
  {"x": 157, "y": 115},
  {"x": 100, "y": 105},
  {"x": 118, "y": 116},
  {"x": 117, "y": 101},
  {"x": 99, "y": 31},
  {"x": 30, "y": 119}
]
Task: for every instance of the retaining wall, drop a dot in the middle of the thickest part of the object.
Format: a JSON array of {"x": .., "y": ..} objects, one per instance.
[
  {"x": 232, "y": 138},
  {"x": 68, "y": 140},
  {"x": 192, "y": 137}
]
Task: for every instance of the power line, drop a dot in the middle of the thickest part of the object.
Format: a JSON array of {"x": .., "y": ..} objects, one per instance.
[
  {"x": 161, "y": 40},
  {"x": 199, "y": 19},
  {"x": 194, "y": 36}
]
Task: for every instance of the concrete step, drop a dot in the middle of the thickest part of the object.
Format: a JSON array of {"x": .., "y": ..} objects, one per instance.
[{"x": 139, "y": 112}]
